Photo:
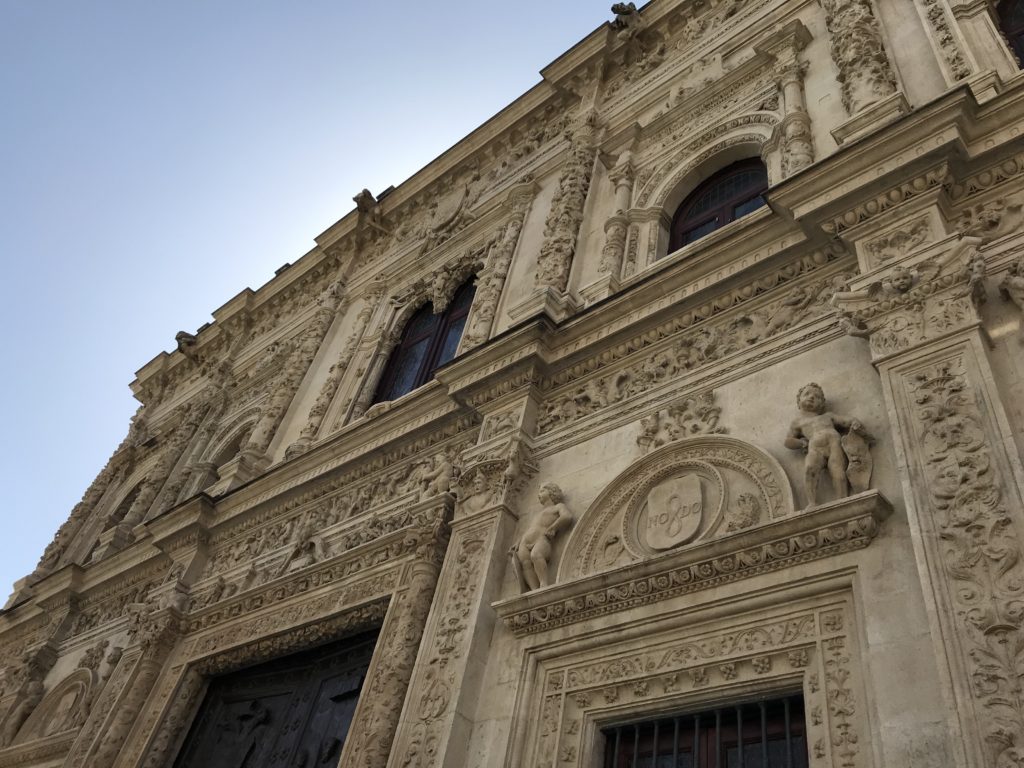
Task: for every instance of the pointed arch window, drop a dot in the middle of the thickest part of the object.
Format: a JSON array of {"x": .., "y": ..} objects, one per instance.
[
  {"x": 428, "y": 341},
  {"x": 1011, "y": 19},
  {"x": 734, "y": 191}
]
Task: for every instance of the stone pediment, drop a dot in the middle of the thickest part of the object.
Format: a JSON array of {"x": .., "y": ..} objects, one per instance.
[{"x": 687, "y": 492}]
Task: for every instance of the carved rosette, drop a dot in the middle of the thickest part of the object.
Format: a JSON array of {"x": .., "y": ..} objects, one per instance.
[
  {"x": 865, "y": 73},
  {"x": 566, "y": 215}
]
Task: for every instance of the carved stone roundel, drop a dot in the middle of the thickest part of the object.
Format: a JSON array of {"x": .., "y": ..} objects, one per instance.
[{"x": 686, "y": 492}]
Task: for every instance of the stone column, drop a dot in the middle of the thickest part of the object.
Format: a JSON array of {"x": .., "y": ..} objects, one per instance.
[
  {"x": 110, "y": 722},
  {"x": 315, "y": 418},
  {"x": 870, "y": 92},
  {"x": 616, "y": 227},
  {"x": 794, "y": 132},
  {"x": 969, "y": 42},
  {"x": 962, "y": 483},
  {"x": 374, "y": 371}
]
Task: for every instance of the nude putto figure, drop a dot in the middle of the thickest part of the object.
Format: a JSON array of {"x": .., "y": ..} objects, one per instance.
[
  {"x": 531, "y": 555},
  {"x": 837, "y": 443}
]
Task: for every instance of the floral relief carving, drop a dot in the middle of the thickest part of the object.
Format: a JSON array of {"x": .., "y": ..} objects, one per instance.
[
  {"x": 685, "y": 418},
  {"x": 899, "y": 243},
  {"x": 979, "y": 547},
  {"x": 680, "y": 660},
  {"x": 445, "y": 649},
  {"x": 910, "y": 306},
  {"x": 563, "y": 222},
  {"x": 935, "y": 13},
  {"x": 865, "y": 73},
  {"x": 329, "y": 389},
  {"x": 688, "y": 352},
  {"x": 991, "y": 220}
]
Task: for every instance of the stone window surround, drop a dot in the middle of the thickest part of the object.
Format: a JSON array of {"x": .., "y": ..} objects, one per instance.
[{"x": 808, "y": 644}]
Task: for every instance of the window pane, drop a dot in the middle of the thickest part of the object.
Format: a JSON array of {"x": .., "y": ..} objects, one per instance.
[
  {"x": 407, "y": 367},
  {"x": 698, "y": 232},
  {"x": 451, "y": 341},
  {"x": 751, "y": 205}
]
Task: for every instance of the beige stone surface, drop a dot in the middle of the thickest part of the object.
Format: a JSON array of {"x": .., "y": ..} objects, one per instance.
[{"x": 262, "y": 504}]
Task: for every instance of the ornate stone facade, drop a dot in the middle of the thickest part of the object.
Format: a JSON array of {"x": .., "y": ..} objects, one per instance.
[{"x": 785, "y": 458}]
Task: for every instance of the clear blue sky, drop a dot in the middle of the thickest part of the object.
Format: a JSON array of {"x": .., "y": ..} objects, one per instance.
[{"x": 158, "y": 157}]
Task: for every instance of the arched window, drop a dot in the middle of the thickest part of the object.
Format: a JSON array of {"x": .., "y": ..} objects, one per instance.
[
  {"x": 1011, "y": 19},
  {"x": 725, "y": 196},
  {"x": 428, "y": 342}
]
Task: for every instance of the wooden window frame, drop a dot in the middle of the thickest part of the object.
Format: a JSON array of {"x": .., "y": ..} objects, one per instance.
[
  {"x": 1014, "y": 37},
  {"x": 685, "y": 222},
  {"x": 457, "y": 311}
]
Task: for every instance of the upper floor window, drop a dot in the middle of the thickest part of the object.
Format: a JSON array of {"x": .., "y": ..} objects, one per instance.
[
  {"x": 725, "y": 196},
  {"x": 428, "y": 341},
  {"x": 1011, "y": 18}
]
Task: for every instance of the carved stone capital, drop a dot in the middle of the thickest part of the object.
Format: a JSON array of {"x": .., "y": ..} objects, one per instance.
[{"x": 929, "y": 297}]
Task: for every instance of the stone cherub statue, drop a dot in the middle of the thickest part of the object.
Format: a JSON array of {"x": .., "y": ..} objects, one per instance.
[
  {"x": 531, "y": 555},
  {"x": 831, "y": 441}
]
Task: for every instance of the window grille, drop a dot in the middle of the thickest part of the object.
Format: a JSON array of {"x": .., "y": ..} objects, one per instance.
[{"x": 769, "y": 733}]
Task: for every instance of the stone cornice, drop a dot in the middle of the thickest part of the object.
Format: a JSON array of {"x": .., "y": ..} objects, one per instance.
[
  {"x": 37, "y": 750},
  {"x": 821, "y": 532}
]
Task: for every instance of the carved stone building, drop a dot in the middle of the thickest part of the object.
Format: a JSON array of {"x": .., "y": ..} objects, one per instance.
[{"x": 522, "y": 465}]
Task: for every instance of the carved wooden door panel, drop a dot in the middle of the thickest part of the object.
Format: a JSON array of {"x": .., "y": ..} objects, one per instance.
[{"x": 294, "y": 712}]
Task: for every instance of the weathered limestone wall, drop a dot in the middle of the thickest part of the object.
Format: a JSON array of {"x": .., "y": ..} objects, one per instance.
[{"x": 495, "y": 525}]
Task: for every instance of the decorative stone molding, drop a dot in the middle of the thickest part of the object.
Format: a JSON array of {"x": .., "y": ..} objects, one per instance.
[
  {"x": 678, "y": 495},
  {"x": 686, "y": 665},
  {"x": 491, "y": 280},
  {"x": 855, "y": 40},
  {"x": 562, "y": 227},
  {"x": 940, "y": 295},
  {"x": 457, "y": 636},
  {"x": 824, "y": 531},
  {"x": 337, "y": 371},
  {"x": 688, "y": 417},
  {"x": 706, "y": 344},
  {"x": 944, "y": 39}
]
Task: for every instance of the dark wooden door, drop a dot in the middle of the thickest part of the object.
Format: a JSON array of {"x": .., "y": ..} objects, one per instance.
[{"x": 294, "y": 712}]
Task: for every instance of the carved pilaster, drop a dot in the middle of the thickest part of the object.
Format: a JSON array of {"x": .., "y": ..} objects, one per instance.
[
  {"x": 562, "y": 227},
  {"x": 99, "y": 743},
  {"x": 329, "y": 389},
  {"x": 984, "y": 45},
  {"x": 331, "y": 303},
  {"x": 961, "y": 483},
  {"x": 491, "y": 280},
  {"x": 445, "y": 686}
]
